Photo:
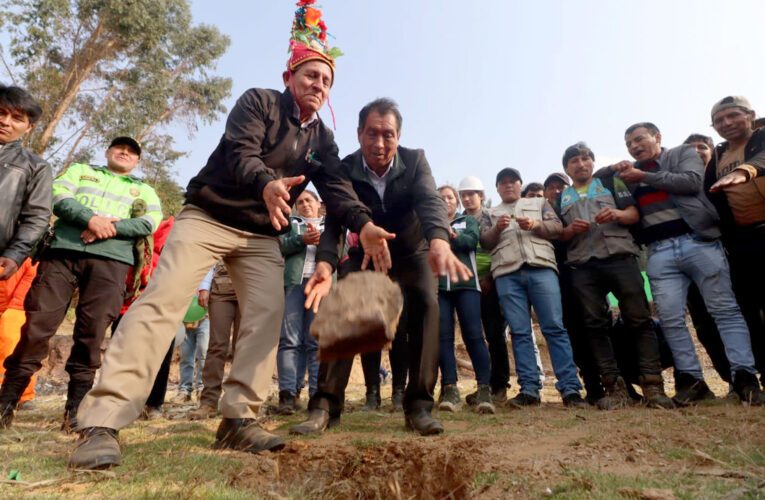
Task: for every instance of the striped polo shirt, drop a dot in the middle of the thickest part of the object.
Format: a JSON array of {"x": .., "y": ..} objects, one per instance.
[{"x": 659, "y": 218}]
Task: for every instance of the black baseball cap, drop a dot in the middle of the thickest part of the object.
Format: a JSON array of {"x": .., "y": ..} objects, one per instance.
[
  {"x": 556, "y": 176},
  {"x": 123, "y": 139},
  {"x": 508, "y": 172}
]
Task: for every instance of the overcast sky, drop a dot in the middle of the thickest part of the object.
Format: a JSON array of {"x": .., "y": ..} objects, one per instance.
[{"x": 484, "y": 85}]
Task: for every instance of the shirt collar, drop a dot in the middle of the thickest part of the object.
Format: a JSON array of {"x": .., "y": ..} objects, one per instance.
[
  {"x": 387, "y": 169},
  {"x": 313, "y": 120}
]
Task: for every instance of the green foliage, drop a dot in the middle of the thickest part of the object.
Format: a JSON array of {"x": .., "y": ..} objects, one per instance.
[{"x": 102, "y": 68}]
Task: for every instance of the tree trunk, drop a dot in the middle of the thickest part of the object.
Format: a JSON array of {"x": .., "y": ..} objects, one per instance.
[{"x": 78, "y": 71}]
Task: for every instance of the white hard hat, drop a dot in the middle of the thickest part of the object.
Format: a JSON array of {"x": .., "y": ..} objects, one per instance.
[{"x": 470, "y": 183}]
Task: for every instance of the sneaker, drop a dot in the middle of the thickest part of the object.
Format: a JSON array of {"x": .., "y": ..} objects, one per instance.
[
  {"x": 203, "y": 412},
  {"x": 98, "y": 449},
  {"x": 450, "y": 398},
  {"x": 574, "y": 400},
  {"x": 616, "y": 395},
  {"x": 28, "y": 405},
  {"x": 523, "y": 400},
  {"x": 484, "y": 402},
  {"x": 690, "y": 390},
  {"x": 151, "y": 413}
]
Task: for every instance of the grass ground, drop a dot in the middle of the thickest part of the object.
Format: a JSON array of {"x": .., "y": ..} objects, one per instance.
[{"x": 711, "y": 451}]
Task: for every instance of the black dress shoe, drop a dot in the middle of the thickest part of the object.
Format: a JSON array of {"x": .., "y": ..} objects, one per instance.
[
  {"x": 244, "y": 434},
  {"x": 318, "y": 421},
  {"x": 422, "y": 421}
]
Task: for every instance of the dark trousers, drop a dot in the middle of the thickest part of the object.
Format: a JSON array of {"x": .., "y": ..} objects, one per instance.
[
  {"x": 494, "y": 326},
  {"x": 621, "y": 276},
  {"x": 159, "y": 389},
  {"x": 707, "y": 333},
  {"x": 467, "y": 303},
  {"x": 577, "y": 333},
  {"x": 101, "y": 283},
  {"x": 747, "y": 275},
  {"x": 419, "y": 321},
  {"x": 224, "y": 316}
]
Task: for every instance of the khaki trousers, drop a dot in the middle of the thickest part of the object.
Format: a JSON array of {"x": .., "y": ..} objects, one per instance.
[{"x": 196, "y": 243}]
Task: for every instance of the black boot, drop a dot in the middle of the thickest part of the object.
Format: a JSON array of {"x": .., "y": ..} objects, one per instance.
[
  {"x": 74, "y": 395},
  {"x": 6, "y": 416},
  {"x": 10, "y": 394},
  {"x": 373, "y": 398},
  {"x": 398, "y": 399},
  {"x": 286, "y": 403},
  {"x": 748, "y": 389},
  {"x": 689, "y": 390}
]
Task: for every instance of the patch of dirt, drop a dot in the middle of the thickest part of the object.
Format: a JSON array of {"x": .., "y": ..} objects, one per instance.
[{"x": 416, "y": 468}]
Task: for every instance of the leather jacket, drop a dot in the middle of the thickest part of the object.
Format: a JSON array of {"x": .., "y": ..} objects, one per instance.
[{"x": 25, "y": 206}]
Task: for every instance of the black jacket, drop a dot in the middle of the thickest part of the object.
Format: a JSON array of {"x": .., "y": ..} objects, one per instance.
[
  {"x": 25, "y": 204},
  {"x": 754, "y": 155},
  {"x": 264, "y": 141},
  {"x": 411, "y": 208}
]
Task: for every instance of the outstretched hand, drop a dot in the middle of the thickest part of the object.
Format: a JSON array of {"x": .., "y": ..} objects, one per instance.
[
  {"x": 732, "y": 179},
  {"x": 276, "y": 194},
  {"x": 318, "y": 286},
  {"x": 442, "y": 261},
  {"x": 374, "y": 240}
]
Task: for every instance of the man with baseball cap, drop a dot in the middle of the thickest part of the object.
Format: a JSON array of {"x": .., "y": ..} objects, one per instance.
[
  {"x": 680, "y": 227},
  {"x": 735, "y": 184},
  {"x": 518, "y": 233},
  {"x": 91, "y": 250}
]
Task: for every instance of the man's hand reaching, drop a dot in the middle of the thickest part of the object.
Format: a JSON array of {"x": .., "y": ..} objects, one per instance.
[
  {"x": 374, "y": 240},
  {"x": 318, "y": 286},
  {"x": 443, "y": 261},
  {"x": 276, "y": 194}
]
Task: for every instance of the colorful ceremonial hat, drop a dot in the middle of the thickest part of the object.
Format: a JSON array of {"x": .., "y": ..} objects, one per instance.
[{"x": 309, "y": 38}]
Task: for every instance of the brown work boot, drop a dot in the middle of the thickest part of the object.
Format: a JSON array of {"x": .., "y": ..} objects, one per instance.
[
  {"x": 318, "y": 421},
  {"x": 653, "y": 392},
  {"x": 203, "y": 412},
  {"x": 616, "y": 395},
  {"x": 98, "y": 449},
  {"x": 244, "y": 434}
]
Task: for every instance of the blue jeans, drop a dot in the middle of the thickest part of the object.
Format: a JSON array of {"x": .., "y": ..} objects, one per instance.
[
  {"x": 297, "y": 349},
  {"x": 194, "y": 347},
  {"x": 672, "y": 264},
  {"x": 540, "y": 287},
  {"x": 468, "y": 306}
]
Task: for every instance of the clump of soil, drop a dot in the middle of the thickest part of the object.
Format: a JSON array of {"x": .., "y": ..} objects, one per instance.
[{"x": 415, "y": 468}]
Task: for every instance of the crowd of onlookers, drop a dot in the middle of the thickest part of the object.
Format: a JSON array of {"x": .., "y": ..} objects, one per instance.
[{"x": 690, "y": 219}]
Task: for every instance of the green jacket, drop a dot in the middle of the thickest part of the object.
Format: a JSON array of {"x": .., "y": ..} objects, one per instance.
[
  {"x": 82, "y": 191},
  {"x": 294, "y": 250},
  {"x": 463, "y": 246}
]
